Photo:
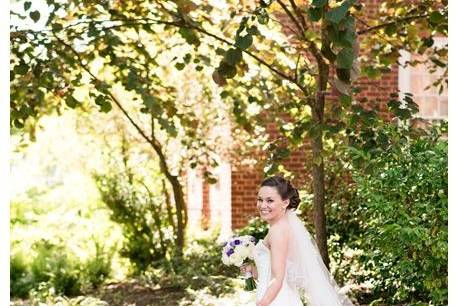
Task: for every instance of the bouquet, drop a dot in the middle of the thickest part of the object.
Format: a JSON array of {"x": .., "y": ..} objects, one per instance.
[{"x": 238, "y": 251}]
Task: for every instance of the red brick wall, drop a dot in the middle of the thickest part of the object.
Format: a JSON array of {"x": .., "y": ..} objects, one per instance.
[{"x": 205, "y": 217}]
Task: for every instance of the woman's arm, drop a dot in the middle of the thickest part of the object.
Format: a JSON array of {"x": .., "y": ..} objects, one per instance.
[{"x": 278, "y": 245}]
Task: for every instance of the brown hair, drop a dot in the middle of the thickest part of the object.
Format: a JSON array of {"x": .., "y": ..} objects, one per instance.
[{"x": 285, "y": 190}]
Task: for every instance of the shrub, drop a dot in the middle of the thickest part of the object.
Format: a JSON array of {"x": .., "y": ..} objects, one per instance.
[
  {"x": 256, "y": 227},
  {"x": 140, "y": 213},
  {"x": 53, "y": 269},
  {"x": 403, "y": 193}
]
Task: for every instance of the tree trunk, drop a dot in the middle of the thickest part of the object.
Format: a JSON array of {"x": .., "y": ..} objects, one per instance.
[
  {"x": 168, "y": 206},
  {"x": 318, "y": 173},
  {"x": 318, "y": 183},
  {"x": 179, "y": 200}
]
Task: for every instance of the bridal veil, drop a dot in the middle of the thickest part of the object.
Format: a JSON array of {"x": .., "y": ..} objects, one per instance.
[{"x": 306, "y": 271}]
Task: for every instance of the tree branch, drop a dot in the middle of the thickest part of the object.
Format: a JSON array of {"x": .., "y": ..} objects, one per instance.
[
  {"x": 292, "y": 18},
  {"x": 383, "y": 25}
]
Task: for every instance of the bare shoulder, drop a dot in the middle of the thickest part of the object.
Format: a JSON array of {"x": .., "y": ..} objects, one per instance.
[{"x": 279, "y": 232}]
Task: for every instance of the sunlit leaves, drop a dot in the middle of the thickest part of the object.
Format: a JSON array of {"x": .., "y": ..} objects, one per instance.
[{"x": 405, "y": 108}]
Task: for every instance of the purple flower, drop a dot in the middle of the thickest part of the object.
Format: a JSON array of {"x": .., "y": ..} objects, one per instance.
[
  {"x": 229, "y": 252},
  {"x": 235, "y": 242}
]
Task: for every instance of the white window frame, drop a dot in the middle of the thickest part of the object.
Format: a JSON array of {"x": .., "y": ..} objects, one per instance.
[{"x": 404, "y": 77}]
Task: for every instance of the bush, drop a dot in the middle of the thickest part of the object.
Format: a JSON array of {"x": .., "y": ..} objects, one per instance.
[
  {"x": 402, "y": 188},
  {"x": 19, "y": 276},
  {"x": 147, "y": 230},
  {"x": 404, "y": 198},
  {"x": 52, "y": 269}
]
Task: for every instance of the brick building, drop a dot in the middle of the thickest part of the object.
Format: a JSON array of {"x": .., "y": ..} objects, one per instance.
[{"x": 232, "y": 200}]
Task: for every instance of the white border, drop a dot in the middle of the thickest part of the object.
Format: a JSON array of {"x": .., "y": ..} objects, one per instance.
[
  {"x": 453, "y": 166},
  {"x": 4, "y": 156}
]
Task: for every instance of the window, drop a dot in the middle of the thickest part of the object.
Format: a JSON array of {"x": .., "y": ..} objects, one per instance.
[{"x": 432, "y": 105}]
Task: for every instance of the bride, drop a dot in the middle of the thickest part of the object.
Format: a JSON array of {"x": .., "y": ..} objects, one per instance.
[{"x": 287, "y": 261}]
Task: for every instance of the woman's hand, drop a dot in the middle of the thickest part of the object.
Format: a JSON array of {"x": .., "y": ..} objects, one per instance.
[{"x": 246, "y": 268}]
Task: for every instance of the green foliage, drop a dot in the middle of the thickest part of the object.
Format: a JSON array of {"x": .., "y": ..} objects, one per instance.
[
  {"x": 143, "y": 213},
  {"x": 404, "y": 204},
  {"x": 20, "y": 282},
  {"x": 256, "y": 227},
  {"x": 388, "y": 222},
  {"x": 54, "y": 268},
  {"x": 199, "y": 267}
]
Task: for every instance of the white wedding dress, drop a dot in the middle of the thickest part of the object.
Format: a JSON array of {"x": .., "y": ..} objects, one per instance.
[
  {"x": 287, "y": 296},
  {"x": 306, "y": 275}
]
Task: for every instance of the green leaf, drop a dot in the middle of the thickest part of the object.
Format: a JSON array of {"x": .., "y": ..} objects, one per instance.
[
  {"x": 253, "y": 30},
  {"x": 337, "y": 14},
  {"x": 233, "y": 56},
  {"x": 71, "y": 101},
  {"x": 262, "y": 16},
  {"x": 152, "y": 104},
  {"x": 345, "y": 100},
  {"x": 319, "y": 3},
  {"x": 428, "y": 41},
  {"x": 27, "y": 5},
  {"x": 390, "y": 29},
  {"x": 21, "y": 69},
  {"x": 345, "y": 58},
  {"x": 243, "y": 42},
  {"x": 371, "y": 72},
  {"x": 168, "y": 126},
  {"x": 131, "y": 80},
  {"x": 18, "y": 124},
  {"x": 179, "y": 66},
  {"x": 35, "y": 15},
  {"x": 224, "y": 94},
  {"x": 92, "y": 30},
  {"x": 57, "y": 27},
  {"x": 100, "y": 100},
  {"x": 189, "y": 36},
  {"x": 227, "y": 71},
  {"x": 106, "y": 107},
  {"x": 436, "y": 17},
  {"x": 315, "y": 13}
]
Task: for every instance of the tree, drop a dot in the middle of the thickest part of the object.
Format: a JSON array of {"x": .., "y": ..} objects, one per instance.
[{"x": 321, "y": 56}]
